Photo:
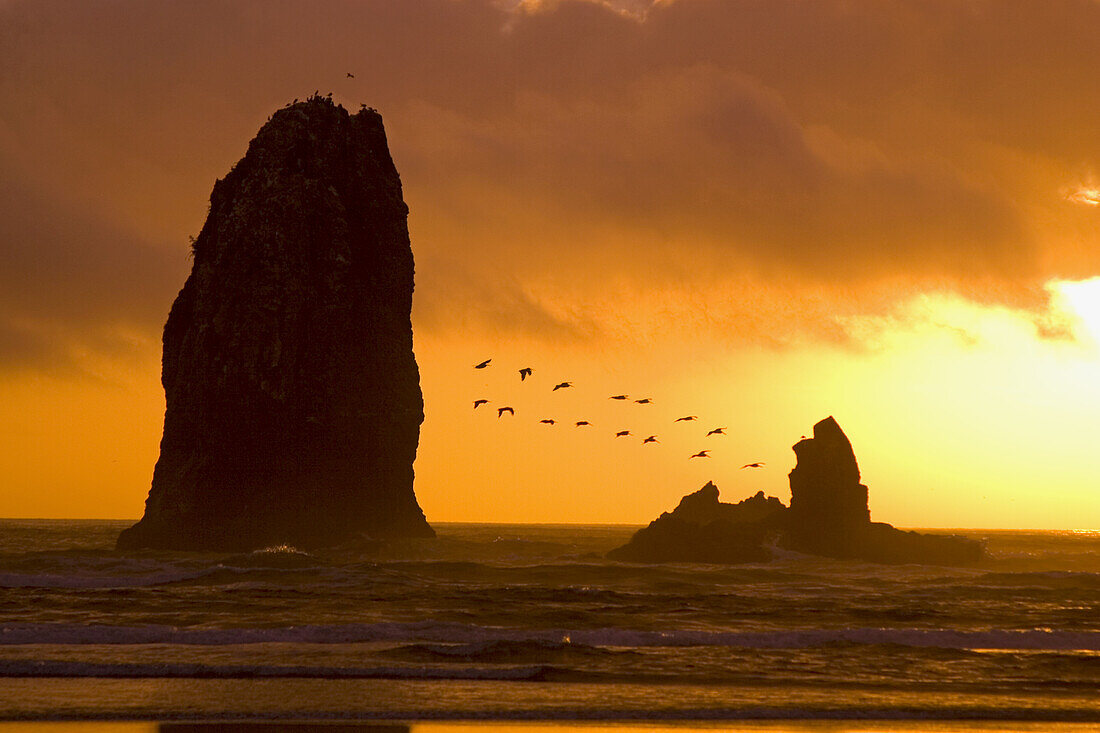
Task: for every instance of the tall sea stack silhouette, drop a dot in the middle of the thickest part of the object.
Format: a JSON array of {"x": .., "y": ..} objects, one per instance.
[{"x": 293, "y": 396}]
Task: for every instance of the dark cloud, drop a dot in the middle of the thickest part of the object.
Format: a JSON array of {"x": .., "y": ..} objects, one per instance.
[
  {"x": 72, "y": 283},
  {"x": 459, "y": 299},
  {"x": 560, "y": 150},
  {"x": 708, "y": 158}
]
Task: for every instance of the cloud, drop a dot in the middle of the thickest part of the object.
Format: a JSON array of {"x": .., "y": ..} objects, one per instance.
[
  {"x": 72, "y": 284},
  {"x": 572, "y": 163},
  {"x": 708, "y": 163}
]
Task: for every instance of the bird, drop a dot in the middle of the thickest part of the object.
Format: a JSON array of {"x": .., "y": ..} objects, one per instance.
[
  {"x": 644, "y": 401},
  {"x": 350, "y": 75},
  {"x": 717, "y": 431},
  {"x": 618, "y": 397},
  {"x": 686, "y": 418},
  {"x": 651, "y": 439},
  {"x": 753, "y": 465},
  {"x": 547, "y": 421},
  {"x": 701, "y": 454},
  {"x": 524, "y": 373},
  {"x": 502, "y": 410},
  {"x": 621, "y": 433},
  {"x": 483, "y": 364},
  {"x": 562, "y": 385},
  {"x": 479, "y": 403},
  {"x": 582, "y": 423}
]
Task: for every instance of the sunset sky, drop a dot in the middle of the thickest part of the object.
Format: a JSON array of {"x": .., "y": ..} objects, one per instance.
[{"x": 760, "y": 212}]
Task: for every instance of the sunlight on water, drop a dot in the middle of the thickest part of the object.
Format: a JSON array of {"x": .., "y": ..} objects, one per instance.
[
  {"x": 831, "y": 726},
  {"x": 755, "y": 726}
]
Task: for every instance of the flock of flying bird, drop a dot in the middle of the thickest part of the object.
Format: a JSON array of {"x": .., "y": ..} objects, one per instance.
[{"x": 527, "y": 371}]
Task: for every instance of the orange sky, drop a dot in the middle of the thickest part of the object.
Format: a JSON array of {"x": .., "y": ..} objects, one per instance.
[{"x": 760, "y": 212}]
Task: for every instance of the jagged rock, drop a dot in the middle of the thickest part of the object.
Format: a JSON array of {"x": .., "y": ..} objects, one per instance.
[
  {"x": 828, "y": 503},
  {"x": 828, "y": 516},
  {"x": 825, "y": 487},
  {"x": 703, "y": 529},
  {"x": 293, "y": 396}
]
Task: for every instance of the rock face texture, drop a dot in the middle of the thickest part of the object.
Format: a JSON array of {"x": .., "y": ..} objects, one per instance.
[
  {"x": 828, "y": 516},
  {"x": 293, "y": 396}
]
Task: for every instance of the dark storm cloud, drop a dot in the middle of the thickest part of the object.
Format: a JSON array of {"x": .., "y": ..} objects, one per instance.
[{"x": 563, "y": 147}]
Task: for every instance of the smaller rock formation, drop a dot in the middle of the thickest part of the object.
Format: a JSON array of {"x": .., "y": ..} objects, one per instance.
[
  {"x": 703, "y": 529},
  {"x": 828, "y": 516},
  {"x": 825, "y": 485}
]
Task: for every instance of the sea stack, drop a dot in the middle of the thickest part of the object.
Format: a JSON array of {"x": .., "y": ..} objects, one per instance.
[
  {"x": 828, "y": 516},
  {"x": 703, "y": 529},
  {"x": 293, "y": 403},
  {"x": 828, "y": 503}
]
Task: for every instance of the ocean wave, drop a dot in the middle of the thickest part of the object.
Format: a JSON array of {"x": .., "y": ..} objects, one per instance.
[
  {"x": 500, "y": 651},
  {"x": 470, "y": 634},
  {"x": 54, "y": 668},
  {"x": 90, "y": 572},
  {"x": 94, "y": 580},
  {"x": 1040, "y": 579}
]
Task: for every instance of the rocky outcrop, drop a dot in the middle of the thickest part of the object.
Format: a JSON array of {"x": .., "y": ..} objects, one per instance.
[
  {"x": 703, "y": 529},
  {"x": 825, "y": 487},
  {"x": 293, "y": 402},
  {"x": 828, "y": 516}
]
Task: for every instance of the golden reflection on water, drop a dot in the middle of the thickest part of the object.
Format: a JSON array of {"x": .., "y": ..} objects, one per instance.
[
  {"x": 758, "y": 726},
  {"x": 812, "y": 726}
]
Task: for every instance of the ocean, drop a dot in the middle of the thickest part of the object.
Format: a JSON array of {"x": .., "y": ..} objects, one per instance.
[{"x": 525, "y": 623}]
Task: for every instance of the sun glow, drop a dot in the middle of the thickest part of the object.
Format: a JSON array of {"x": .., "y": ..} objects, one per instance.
[
  {"x": 1081, "y": 300},
  {"x": 1087, "y": 195}
]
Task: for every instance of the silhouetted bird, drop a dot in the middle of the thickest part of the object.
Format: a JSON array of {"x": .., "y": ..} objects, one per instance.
[
  {"x": 479, "y": 403},
  {"x": 621, "y": 433},
  {"x": 644, "y": 401},
  {"x": 502, "y": 410},
  {"x": 752, "y": 465},
  {"x": 351, "y": 75},
  {"x": 547, "y": 422},
  {"x": 687, "y": 418},
  {"x": 618, "y": 397},
  {"x": 701, "y": 454},
  {"x": 651, "y": 439},
  {"x": 524, "y": 373},
  {"x": 563, "y": 385},
  {"x": 717, "y": 431},
  {"x": 582, "y": 423},
  {"x": 483, "y": 364}
]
